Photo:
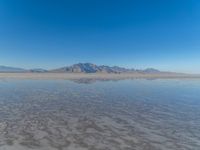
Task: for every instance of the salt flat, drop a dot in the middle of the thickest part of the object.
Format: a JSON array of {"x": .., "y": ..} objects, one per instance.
[
  {"x": 92, "y": 75},
  {"x": 135, "y": 114}
]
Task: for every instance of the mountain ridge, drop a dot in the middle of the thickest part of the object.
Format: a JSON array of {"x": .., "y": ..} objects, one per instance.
[
  {"x": 83, "y": 68},
  {"x": 93, "y": 68}
]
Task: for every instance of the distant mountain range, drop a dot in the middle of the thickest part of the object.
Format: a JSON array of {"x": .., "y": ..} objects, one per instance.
[
  {"x": 92, "y": 68},
  {"x": 11, "y": 69},
  {"x": 83, "y": 68}
]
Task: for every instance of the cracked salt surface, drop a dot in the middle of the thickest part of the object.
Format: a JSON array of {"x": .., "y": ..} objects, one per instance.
[{"x": 123, "y": 115}]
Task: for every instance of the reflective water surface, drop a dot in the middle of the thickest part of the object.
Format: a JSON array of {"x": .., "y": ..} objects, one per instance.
[{"x": 111, "y": 115}]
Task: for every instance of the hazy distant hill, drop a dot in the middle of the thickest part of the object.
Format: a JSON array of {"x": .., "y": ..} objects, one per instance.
[
  {"x": 11, "y": 69},
  {"x": 6, "y": 69},
  {"x": 92, "y": 68},
  {"x": 38, "y": 70}
]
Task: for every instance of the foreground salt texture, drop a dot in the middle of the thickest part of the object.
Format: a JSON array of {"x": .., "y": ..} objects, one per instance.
[{"x": 123, "y": 115}]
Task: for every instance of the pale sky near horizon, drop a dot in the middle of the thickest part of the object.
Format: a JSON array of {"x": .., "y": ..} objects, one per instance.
[{"x": 130, "y": 33}]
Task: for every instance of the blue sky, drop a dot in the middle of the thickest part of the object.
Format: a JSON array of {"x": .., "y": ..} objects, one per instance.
[{"x": 164, "y": 34}]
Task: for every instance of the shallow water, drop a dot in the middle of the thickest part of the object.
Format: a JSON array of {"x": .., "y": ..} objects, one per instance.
[{"x": 111, "y": 115}]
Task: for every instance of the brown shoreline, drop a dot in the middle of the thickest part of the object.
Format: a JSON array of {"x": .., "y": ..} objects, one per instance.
[{"x": 71, "y": 76}]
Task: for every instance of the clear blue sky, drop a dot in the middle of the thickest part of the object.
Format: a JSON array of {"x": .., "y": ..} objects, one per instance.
[{"x": 164, "y": 34}]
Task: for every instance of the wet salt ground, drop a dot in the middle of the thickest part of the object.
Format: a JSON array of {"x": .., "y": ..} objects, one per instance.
[{"x": 120, "y": 115}]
